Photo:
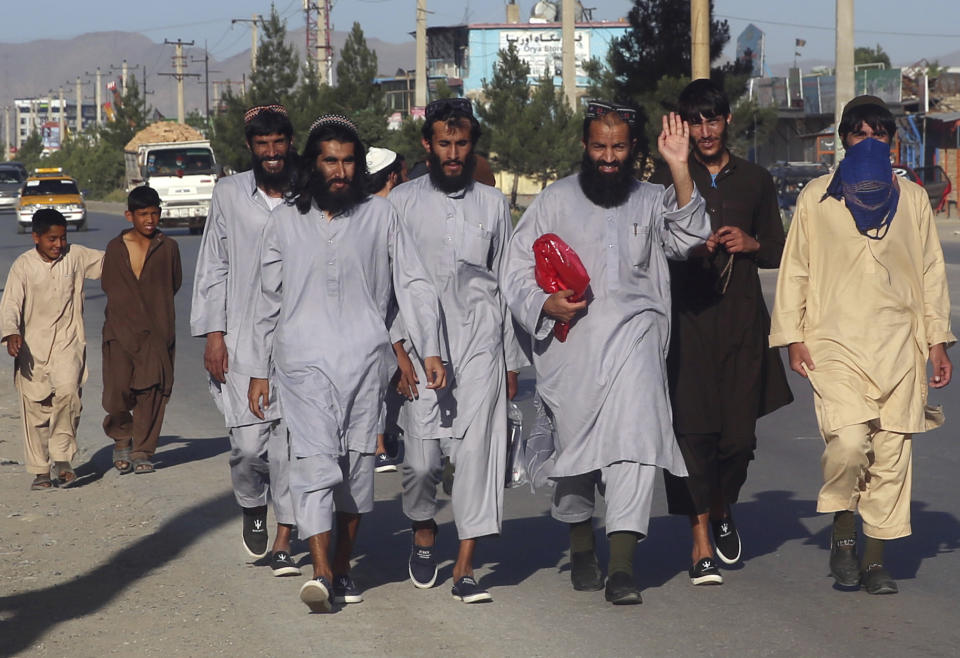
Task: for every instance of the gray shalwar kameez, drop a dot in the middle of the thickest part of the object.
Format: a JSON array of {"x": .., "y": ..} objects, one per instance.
[
  {"x": 461, "y": 238},
  {"x": 320, "y": 318},
  {"x": 606, "y": 386},
  {"x": 224, "y": 288}
]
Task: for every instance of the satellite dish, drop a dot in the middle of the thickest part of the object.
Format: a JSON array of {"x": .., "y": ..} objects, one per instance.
[
  {"x": 548, "y": 11},
  {"x": 544, "y": 11}
]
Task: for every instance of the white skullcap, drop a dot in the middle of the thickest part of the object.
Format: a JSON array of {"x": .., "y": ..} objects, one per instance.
[{"x": 379, "y": 159}]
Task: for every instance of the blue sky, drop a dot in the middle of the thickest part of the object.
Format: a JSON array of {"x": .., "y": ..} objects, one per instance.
[{"x": 908, "y": 30}]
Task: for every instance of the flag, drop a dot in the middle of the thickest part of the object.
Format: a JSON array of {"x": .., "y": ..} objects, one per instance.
[{"x": 801, "y": 43}]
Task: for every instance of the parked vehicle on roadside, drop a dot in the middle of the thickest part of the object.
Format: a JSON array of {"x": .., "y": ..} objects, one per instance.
[
  {"x": 790, "y": 178},
  {"x": 11, "y": 181}
]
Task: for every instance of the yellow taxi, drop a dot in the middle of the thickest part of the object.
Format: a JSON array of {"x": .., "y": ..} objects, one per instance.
[{"x": 50, "y": 188}]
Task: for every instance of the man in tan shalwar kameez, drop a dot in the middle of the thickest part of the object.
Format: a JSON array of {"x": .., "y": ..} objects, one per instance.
[
  {"x": 862, "y": 310},
  {"x": 41, "y": 318}
]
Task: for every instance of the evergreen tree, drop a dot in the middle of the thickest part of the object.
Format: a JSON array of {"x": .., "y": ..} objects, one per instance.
[
  {"x": 356, "y": 71},
  {"x": 277, "y": 64},
  {"x": 867, "y": 55},
  {"x": 554, "y": 147},
  {"x": 506, "y": 96},
  {"x": 132, "y": 115}
]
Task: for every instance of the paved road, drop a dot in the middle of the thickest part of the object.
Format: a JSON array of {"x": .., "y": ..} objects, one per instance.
[{"x": 135, "y": 565}]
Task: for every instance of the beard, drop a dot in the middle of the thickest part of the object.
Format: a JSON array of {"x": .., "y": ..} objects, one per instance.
[
  {"x": 274, "y": 182},
  {"x": 450, "y": 184},
  {"x": 334, "y": 202},
  {"x": 606, "y": 190},
  {"x": 716, "y": 157}
]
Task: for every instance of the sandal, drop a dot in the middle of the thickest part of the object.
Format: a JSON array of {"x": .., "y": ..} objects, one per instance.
[
  {"x": 141, "y": 466},
  {"x": 67, "y": 478},
  {"x": 41, "y": 483},
  {"x": 121, "y": 460}
]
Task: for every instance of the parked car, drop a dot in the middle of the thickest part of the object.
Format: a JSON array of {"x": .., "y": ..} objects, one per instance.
[
  {"x": 933, "y": 179},
  {"x": 790, "y": 178},
  {"x": 11, "y": 181},
  {"x": 50, "y": 188}
]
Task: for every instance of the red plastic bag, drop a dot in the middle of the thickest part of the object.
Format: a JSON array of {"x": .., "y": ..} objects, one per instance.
[{"x": 558, "y": 268}]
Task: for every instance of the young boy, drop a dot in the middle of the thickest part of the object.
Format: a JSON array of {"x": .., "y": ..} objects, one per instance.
[
  {"x": 41, "y": 319},
  {"x": 141, "y": 274}
]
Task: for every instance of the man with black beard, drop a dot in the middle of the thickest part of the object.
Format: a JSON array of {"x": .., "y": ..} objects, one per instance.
[
  {"x": 461, "y": 229},
  {"x": 329, "y": 260},
  {"x": 226, "y": 278},
  {"x": 723, "y": 376},
  {"x": 605, "y": 388}
]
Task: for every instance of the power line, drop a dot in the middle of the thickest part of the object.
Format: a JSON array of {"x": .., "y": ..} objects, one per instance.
[{"x": 832, "y": 28}]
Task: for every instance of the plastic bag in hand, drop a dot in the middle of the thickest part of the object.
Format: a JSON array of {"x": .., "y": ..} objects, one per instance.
[
  {"x": 557, "y": 267},
  {"x": 516, "y": 459}
]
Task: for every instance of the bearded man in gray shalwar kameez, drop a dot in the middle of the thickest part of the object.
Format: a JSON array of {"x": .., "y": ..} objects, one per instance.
[
  {"x": 223, "y": 293},
  {"x": 606, "y": 386},
  {"x": 461, "y": 229},
  {"x": 327, "y": 268}
]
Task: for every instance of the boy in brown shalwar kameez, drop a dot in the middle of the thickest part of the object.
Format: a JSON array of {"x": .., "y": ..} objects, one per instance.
[{"x": 141, "y": 274}]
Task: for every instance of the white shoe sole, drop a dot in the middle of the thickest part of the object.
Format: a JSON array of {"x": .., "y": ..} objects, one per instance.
[
  {"x": 417, "y": 583},
  {"x": 710, "y": 579},
  {"x": 479, "y": 597},
  {"x": 286, "y": 571},
  {"x": 316, "y": 596},
  {"x": 731, "y": 561},
  {"x": 255, "y": 556},
  {"x": 353, "y": 598},
  {"x": 386, "y": 469}
]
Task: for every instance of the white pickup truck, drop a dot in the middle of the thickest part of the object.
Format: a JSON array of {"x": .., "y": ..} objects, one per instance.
[{"x": 182, "y": 172}]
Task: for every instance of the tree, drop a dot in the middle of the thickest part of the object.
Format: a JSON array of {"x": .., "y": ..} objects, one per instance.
[
  {"x": 30, "y": 150},
  {"x": 657, "y": 45},
  {"x": 554, "y": 149},
  {"x": 277, "y": 64},
  {"x": 132, "y": 115},
  {"x": 356, "y": 71},
  {"x": 867, "y": 55},
  {"x": 506, "y": 96}
]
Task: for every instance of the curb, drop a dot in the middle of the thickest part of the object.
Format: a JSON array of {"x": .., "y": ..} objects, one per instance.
[{"x": 108, "y": 207}]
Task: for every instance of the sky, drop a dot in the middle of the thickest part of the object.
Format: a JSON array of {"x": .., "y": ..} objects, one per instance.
[{"x": 907, "y": 30}]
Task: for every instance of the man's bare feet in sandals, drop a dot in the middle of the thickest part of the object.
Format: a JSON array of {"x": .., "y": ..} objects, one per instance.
[
  {"x": 121, "y": 460},
  {"x": 66, "y": 477},
  {"x": 41, "y": 483}
]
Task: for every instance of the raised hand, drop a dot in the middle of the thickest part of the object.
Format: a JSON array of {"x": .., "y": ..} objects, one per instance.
[{"x": 674, "y": 140}]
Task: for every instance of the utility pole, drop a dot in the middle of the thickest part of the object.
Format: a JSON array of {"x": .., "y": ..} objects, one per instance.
[
  {"x": 179, "y": 75},
  {"x": 699, "y": 39},
  {"x": 6, "y": 132},
  {"x": 99, "y": 100},
  {"x": 253, "y": 37},
  {"x": 206, "y": 79},
  {"x": 324, "y": 49},
  {"x": 79, "y": 106},
  {"x": 568, "y": 56},
  {"x": 420, "y": 90},
  {"x": 844, "y": 69},
  {"x": 62, "y": 121}
]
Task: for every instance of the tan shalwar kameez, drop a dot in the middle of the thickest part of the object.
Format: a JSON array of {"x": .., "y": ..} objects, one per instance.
[
  {"x": 868, "y": 311},
  {"x": 43, "y": 303}
]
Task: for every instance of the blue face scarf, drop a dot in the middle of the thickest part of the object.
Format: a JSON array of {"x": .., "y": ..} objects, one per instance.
[{"x": 864, "y": 180}]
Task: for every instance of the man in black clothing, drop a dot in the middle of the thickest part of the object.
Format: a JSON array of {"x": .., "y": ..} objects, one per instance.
[{"x": 723, "y": 376}]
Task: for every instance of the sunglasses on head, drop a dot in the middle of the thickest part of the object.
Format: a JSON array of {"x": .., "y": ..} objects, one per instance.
[
  {"x": 599, "y": 109},
  {"x": 442, "y": 106}
]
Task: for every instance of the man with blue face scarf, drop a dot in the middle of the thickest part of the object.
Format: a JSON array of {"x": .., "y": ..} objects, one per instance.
[{"x": 862, "y": 304}]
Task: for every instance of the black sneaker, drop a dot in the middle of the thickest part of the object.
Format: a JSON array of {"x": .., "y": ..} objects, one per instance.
[
  {"x": 727, "y": 540},
  {"x": 384, "y": 463},
  {"x": 877, "y": 580},
  {"x": 467, "y": 590},
  {"x": 844, "y": 564},
  {"x": 316, "y": 594},
  {"x": 705, "y": 572},
  {"x": 255, "y": 531},
  {"x": 283, "y": 565},
  {"x": 423, "y": 567},
  {"x": 585, "y": 572},
  {"x": 345, "y": 590},
  {"x": 621, "y": 590}
]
